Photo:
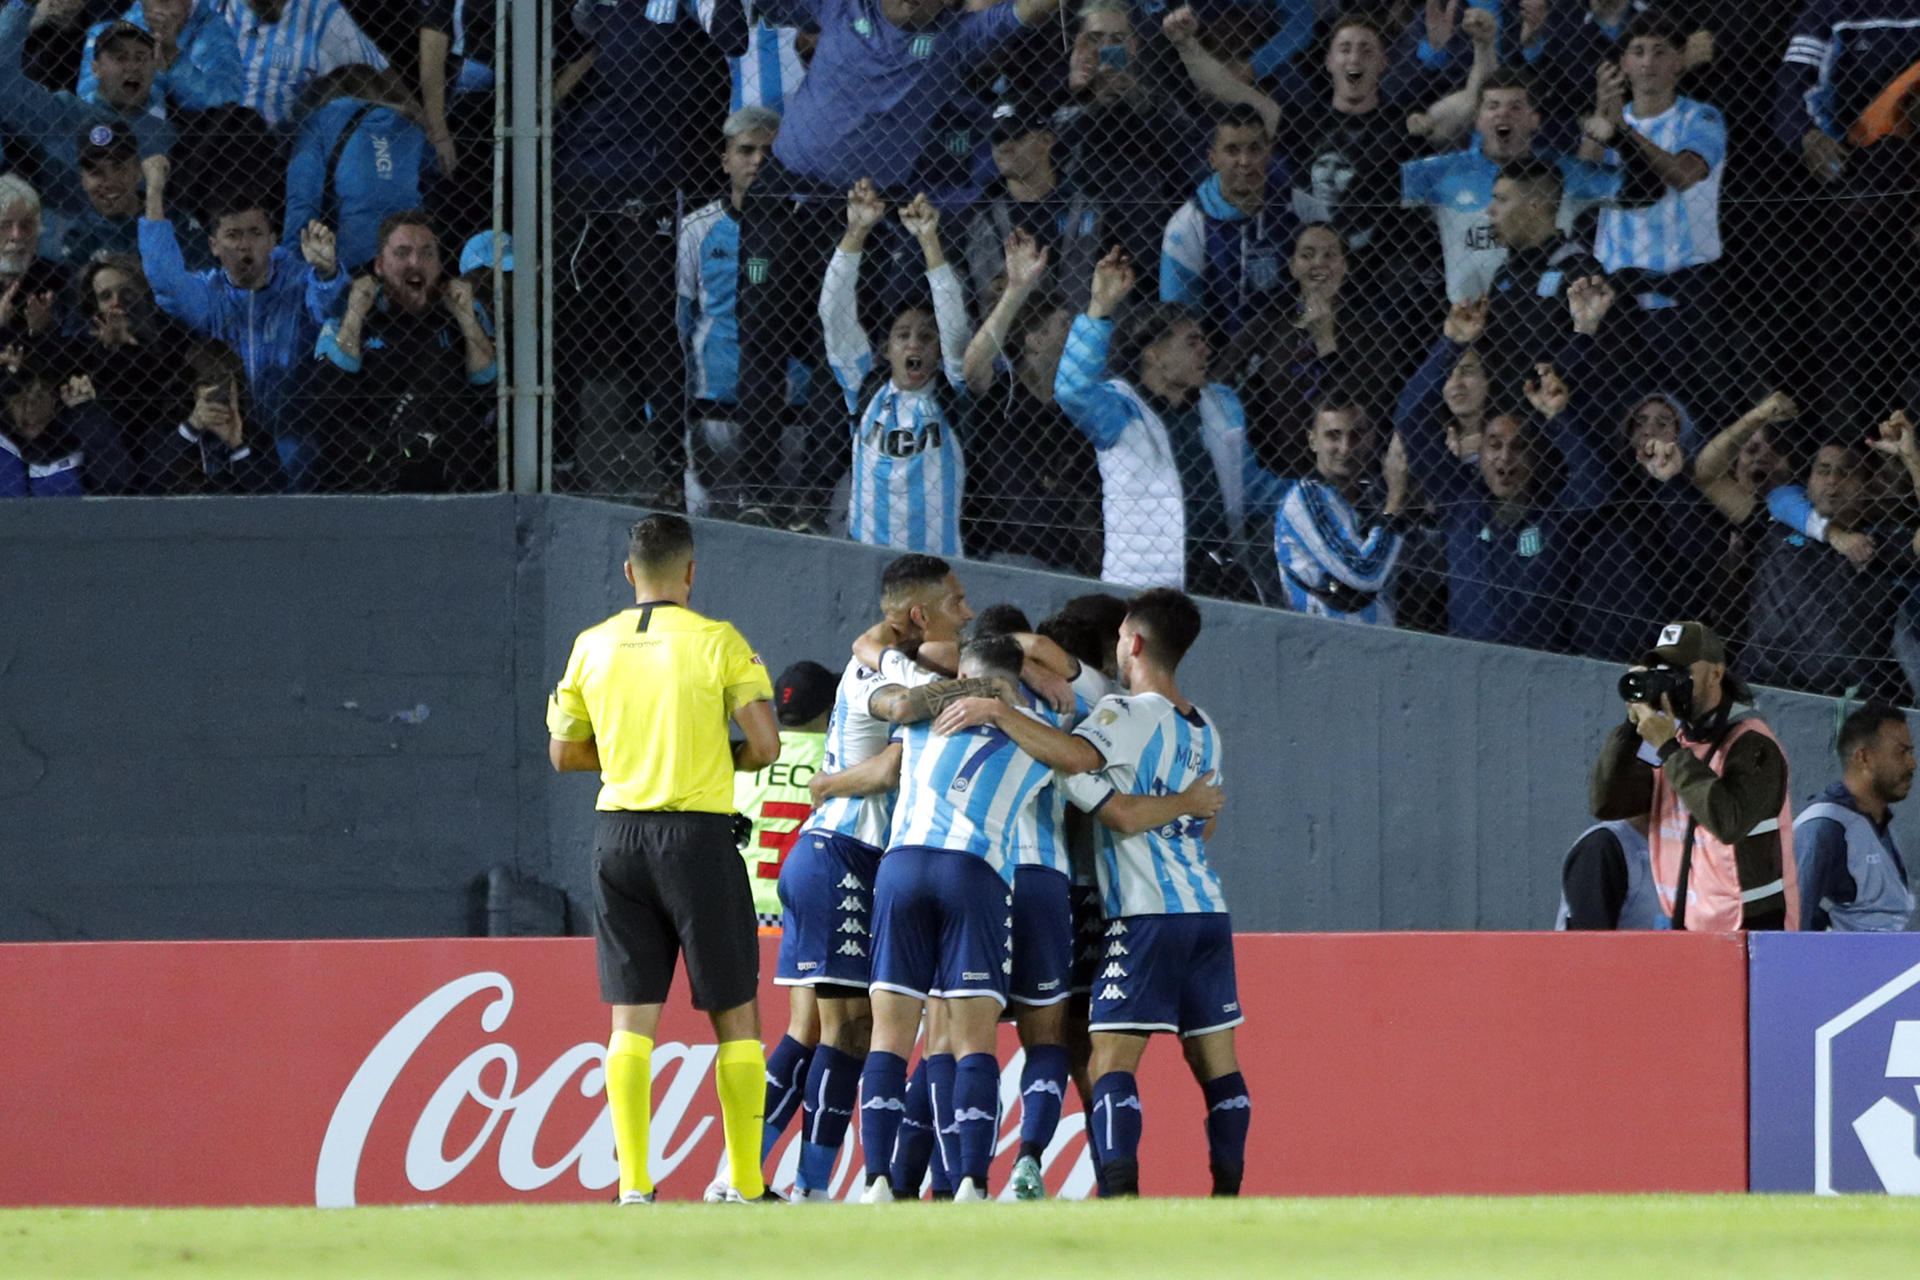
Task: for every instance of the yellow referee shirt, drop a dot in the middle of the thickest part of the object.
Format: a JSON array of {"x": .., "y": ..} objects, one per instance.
[{"x": 655, "y": 686}]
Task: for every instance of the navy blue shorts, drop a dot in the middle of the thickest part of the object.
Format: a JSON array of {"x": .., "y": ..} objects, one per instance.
[
  {"x": 942, "y": 925},
  {"x": 826, "y": 904},
  {"x": 1167, "y": 973},
  {"x": 1042, "y": 936},
  {"x": 1089, "y": 924}
]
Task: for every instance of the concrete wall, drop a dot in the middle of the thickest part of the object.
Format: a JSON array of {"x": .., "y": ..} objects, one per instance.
[{"x": 321, "y": 718}]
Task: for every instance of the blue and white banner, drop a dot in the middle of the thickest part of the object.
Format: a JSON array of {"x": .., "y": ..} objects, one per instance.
[{"x": 1835, "y": 1053}]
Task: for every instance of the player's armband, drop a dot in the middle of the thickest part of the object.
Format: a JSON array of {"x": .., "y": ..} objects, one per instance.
[{"x": 929, "y": 700}]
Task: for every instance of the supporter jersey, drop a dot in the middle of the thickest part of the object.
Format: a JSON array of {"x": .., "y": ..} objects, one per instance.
[
  {"x": 707, "y": 281},
  {"x": 854, "y": 736},
  {"x": 1336, "y": 561},
  {"x": 1150, "y": 748},
  {"x": 1681, "y": 229},
  {"x": 1458, "y": 187},
  {"x": 770, "y": 71},
  {"x": 310, "y": 38},
  {"x": 972, "y": 792}
]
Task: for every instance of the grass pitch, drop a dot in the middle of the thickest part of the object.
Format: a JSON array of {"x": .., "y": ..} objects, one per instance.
[{"x": 1735, "y": 1236}]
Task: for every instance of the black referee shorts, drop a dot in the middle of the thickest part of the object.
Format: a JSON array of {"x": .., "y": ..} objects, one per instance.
[{"x": 664, "y": 883}]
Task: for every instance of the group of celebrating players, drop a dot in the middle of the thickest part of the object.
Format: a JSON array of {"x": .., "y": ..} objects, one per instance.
[{"x": 1009, "y": 824}]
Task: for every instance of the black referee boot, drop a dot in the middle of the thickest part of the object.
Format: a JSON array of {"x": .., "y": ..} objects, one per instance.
[{"x": 1122, "y": 1176}]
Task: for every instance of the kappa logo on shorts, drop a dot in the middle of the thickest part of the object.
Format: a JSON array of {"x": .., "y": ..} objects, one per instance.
[
  {"x": 1117, "y": 929},
  {"x": 852, "y": 926},
  {"x": 1233, "y": 1007},
  {"x": 1111, "y": 992},
  {"x": 851, "y": 903},
  {"x": 805, "y": 965},
  {"x": 852, "y": 948},
  {"x": 1114, "y": 970},
  {"x": 850, "y": 881},
  {"x": 975, "y": 977},
  {"x": 1049, "y": 985},
  {"x": 1117, "y": 949},
  {"x": 1006, "y": 966}
]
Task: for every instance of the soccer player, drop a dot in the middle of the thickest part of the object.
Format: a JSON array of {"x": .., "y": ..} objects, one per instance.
[
  {"x": 826, "y": 886},
  {"x": 943, "y": 904},
  {"x": 1169, "y": 956},
  {"x": 907, "y": 466},
  {"x": 645, "y": 702}
]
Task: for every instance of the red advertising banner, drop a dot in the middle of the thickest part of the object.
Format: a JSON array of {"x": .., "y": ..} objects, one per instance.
[{"x": 469, "y": 1070}]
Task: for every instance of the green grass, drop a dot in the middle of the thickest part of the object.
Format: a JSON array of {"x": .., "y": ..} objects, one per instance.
[{"x": 1639, "y": 1236}]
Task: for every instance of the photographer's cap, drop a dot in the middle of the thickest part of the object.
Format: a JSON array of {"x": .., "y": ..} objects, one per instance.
[
  {"x": 1681, "y": 644},
  {"x": 803, "y": 692}
]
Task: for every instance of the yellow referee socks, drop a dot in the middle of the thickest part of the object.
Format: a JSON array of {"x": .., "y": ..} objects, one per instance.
[
  {"x": 630, "y": 1099},
  {"x": 740, "y": 1075}
]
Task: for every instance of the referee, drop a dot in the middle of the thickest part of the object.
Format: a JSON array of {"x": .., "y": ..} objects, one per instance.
[{"x": 645, "y": 701}]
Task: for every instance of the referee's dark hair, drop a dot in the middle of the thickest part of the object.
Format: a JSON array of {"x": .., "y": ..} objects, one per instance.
[
  {"x": 1860, "y": 728},
  {"x": 908, "y": 575},
  {"x": 659, "y": 542},
  {"x": 1168, "y": 622},
  {"x": 993, "y": 655}
]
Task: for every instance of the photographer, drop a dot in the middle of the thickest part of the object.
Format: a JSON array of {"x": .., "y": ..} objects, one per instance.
[{"x": 1695, "y": 754}]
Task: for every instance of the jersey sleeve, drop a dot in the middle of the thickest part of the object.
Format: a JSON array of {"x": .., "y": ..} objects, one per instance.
[
  {"x": 897, "y": 668},
  {"x": 1705, "y": 136},
  {"x": 1087, "y": 791},
  {"x": 567, "y": 715},
  {"x": 1117, "y": 730},
  {"x": 742, "y": 672}
]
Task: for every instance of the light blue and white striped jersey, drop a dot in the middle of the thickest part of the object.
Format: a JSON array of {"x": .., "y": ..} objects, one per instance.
[
  {"x": 1458, "y": 187},
  {"x": 1333, "y": 567},
  {"x": 908, "y": 472},
  {"x": 311, "y": 38},
  {"x": 707, "y": 279},
  {"x": 1040, "y": 837},
  {"x": 1150, "y": 749},
  {"x": 769, "y": 72},
  {"x": 854, "y": 736},
  {"x": 968, "y": 792},
  {"x": 1681, "y": 229},
  {"x": 1091, "y": 685}
]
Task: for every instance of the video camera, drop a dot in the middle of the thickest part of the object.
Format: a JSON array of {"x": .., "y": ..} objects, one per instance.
[{"x": 1650, "y": 684}]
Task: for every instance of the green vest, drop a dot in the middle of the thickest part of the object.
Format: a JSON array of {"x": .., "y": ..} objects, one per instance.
[{"x": 776, "y": 799}]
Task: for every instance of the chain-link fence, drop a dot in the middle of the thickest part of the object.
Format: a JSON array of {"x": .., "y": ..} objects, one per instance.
[
  {"x": 1146, "y": 295},
  {"x": 245, "y": 247}
]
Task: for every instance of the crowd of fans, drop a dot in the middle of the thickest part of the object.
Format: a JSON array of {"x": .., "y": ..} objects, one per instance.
[{"x": 1533, "y": 321}]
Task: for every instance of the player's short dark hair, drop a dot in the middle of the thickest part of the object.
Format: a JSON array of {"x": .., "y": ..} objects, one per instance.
[
  {"x": 1863, "y": 726},
  {"x": 1168, "y": 622},
  {"x": 1535, "y": 175},
  {"x": 1103, "y": 609},
  {"x": 1080, "y": 636},
  {"x": 659, "y": 541},
  {"x": 909, "y": 574},
  {"x": 404, "y": 218},
  {"x": 1001, "y": 620},
  {"x": 1655, "y": 25},
  {"x": 995, "y": 654},
  {"x": 1509, "y": 78},
  {"x": 1240, "y": 115}
]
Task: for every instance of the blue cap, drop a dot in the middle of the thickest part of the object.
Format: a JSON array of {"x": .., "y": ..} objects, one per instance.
[{"x": 478, "y": 252}]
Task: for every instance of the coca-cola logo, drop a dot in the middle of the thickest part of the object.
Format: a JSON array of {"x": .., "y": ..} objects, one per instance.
[{"x": 513, "y": 1114}]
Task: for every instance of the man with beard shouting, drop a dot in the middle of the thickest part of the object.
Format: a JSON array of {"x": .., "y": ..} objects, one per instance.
[{"x": 398, "y": 394}]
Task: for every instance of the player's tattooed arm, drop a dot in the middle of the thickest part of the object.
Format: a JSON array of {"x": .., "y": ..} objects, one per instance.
[
  {"x": 1061, "y": 752},
  {"x": 1129, "y": 815},
  {"x": 875, "y": 775},
  {"x": 924, "y": 702}
]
